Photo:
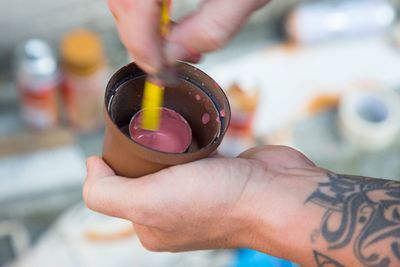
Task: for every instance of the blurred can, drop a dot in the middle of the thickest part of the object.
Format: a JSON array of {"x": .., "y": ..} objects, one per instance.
[
  {"x": 325, "y": 20},
  {"x": 37, "y": 80},
  {"x": 84, "y": 79},
  {"x": 244, "y": 101}
]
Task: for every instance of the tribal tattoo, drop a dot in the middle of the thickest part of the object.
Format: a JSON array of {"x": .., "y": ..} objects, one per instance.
[
  {"x": 363, "y": 213},
  {"x": 324, "y": 261}
]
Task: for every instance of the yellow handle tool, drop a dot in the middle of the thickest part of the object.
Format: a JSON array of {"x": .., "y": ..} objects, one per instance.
[{"x": 153, "y": 88}]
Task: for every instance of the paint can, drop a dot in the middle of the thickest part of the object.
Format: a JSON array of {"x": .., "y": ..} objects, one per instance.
[
  {"x": 84, "y": 77},
  {"x": 37, "y": 80}
]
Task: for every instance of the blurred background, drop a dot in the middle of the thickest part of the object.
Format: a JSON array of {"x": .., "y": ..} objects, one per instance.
[{"x": 321, "y": 76}]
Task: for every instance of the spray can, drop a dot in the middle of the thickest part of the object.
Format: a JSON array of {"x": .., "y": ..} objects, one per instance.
[
  {"x": 84, "y": 78},
  {"x": 37, "y": 80}
]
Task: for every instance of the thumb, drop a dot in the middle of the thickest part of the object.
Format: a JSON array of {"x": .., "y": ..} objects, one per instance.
[
  {"x": 117, "y": 196},
  {"x": 97, "y": 168},
  {"x": 209, "y": 29}
]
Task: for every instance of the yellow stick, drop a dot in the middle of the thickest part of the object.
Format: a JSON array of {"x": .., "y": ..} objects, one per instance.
[
  {"x": 153, "y": 89},
  {"x": 165, "y": 18},
  {"x": 151, "y": 105}
]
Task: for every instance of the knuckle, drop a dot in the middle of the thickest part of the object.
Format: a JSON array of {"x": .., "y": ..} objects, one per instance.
[
  {"x": 135, "y": 46},
  {"x": 286, "y": 150},
  {"x": 295, "y": 155},
  {"x": 216, "y": 38},
  {"x": 150, "y": 244},
  {"x": 151, "y": 239}
]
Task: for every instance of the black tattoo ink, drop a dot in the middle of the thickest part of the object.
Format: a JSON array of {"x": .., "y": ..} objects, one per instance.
[
  {"x": 324, "y": 261},
  {"x": 314, "y": 235},
  {"x": 361, "y": 212}
]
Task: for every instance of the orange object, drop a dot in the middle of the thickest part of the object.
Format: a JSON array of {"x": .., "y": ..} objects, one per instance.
[
  {"x": 40, "y": 108},
  {"x": 82, "y": 52},
  {"x": 84, "y": 74},
  {"x": 243, "y": 106},
  {"x": 322, "y": 103},
  {"x": 98, "y": 236}
]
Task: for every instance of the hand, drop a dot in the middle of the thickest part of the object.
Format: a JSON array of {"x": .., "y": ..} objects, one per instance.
[
  {"x": 210, "y": 203},
  {"x": 207, "y": 29}
]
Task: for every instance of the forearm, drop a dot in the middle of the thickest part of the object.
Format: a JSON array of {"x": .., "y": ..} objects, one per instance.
[{"x": 333, "y": 220}]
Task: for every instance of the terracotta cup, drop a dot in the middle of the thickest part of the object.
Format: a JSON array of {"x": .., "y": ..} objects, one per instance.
[{"x": 194, "y": 95}]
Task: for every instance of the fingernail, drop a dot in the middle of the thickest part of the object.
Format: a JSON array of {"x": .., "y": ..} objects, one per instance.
[{"x": 174, "y": 52}]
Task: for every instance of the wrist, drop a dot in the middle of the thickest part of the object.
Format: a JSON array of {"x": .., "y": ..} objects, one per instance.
[{"x": 282, "y": 222}]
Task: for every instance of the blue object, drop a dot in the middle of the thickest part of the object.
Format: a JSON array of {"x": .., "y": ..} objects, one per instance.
[{"x": 252, "y": 258}]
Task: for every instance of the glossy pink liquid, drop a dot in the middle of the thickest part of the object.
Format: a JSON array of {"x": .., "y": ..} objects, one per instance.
[{"x": 174, "y": 135}]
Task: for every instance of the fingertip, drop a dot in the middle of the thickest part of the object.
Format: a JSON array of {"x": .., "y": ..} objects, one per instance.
[
  {"x": 194, "y": 58},
  {"x": 90, "y": 159}
]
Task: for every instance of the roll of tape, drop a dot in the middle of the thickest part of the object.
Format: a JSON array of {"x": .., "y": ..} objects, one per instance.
[{"x": 370, "y": 119}]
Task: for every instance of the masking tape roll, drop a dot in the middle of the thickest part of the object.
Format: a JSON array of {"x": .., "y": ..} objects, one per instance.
[{"x": 370, "y": 119}]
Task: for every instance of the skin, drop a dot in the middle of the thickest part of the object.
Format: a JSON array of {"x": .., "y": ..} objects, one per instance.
[
  {"x": 271, "y": 199},
  {"x": 205, "y": 30},
  {"x": 211, "y": 203},
  {"x": 266, "y": 199}
]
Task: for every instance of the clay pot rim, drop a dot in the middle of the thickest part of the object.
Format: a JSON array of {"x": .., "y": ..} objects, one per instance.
[{"x": 165, "y": 157}]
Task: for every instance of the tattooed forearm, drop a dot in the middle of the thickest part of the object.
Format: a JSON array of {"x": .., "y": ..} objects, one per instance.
[
  {"x": 322, "y": 260},
  {"x": 363, "y": 213}
]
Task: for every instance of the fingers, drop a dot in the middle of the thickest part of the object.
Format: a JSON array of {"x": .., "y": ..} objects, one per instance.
[
  {"x": 138, "y": 25},
  {"x": 208, "y": 29}
]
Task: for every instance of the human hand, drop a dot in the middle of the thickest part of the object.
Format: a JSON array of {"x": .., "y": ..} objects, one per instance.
[
  {"x": 207, "y": 29},
  {"x": 210, "y": 203}
]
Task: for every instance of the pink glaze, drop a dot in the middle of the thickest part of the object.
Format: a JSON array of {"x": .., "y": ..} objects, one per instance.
[
  {"x": 174, "y": 135},
  {"x": 205, "y": 118},
  {"x": 198, "y": 97},
  {"x": 222, "y": 113}
]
